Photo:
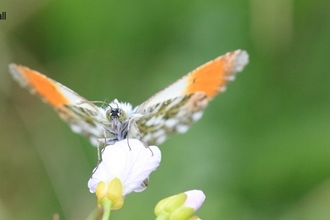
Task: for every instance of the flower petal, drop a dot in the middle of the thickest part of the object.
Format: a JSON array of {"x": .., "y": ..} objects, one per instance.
[
  {"x": 195, "y": 199},
  {"x": 130, "y": 161}
]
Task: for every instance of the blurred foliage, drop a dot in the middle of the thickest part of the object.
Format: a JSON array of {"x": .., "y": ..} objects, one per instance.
[{"x": 262, "y": 149}]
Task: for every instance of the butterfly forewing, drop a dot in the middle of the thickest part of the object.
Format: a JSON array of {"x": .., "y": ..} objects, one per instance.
[
  {"x": 177, "y": 107},
  {"x": 83, "y": 116}
]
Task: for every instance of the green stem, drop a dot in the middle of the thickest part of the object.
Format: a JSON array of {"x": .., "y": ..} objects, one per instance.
[{"x": 106, "y": 205}]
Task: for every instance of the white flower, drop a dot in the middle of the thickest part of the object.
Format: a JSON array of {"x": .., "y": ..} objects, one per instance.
[{"x": 127, "y": 163}]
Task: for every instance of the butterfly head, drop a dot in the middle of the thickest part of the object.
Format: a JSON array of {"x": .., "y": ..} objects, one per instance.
[
  {"x": 115, "y": 114},
  {"x": 118, "y": 111}
]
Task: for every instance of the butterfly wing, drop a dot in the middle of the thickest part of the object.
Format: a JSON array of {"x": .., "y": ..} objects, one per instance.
[
  {"x": 177, "y": 107},
  {"x": 83, "y": 117}
]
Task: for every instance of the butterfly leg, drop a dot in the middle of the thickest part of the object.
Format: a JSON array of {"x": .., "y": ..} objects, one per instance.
[
  {"x": 98, "y": 153},
  {"x": 143, "y": 185},
  {"x": 133, "y": 130},
  {"x": 109, "y": 140}
]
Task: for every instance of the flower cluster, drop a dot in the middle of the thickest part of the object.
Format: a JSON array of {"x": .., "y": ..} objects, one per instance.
[{"x": 125, "y": 167}]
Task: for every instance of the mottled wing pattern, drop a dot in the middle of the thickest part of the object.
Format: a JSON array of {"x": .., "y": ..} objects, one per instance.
[
  {"x": 83, "y": 116},
  {"x": 177, "y": 107},
  {"x": 171, "y": 116}
]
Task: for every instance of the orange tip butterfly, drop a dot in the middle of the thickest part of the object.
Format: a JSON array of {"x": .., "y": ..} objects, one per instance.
[{"x": 172, "y": 110}]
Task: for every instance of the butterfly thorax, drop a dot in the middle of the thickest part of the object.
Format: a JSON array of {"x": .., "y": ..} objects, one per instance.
[{"x": 121, "y": 122}]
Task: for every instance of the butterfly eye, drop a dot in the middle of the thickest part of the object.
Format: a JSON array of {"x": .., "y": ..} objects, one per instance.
[
  {"x": 108, "y": 114},
  {"x": 115, "y": 113},
  {"x": 121, "y": 114}
]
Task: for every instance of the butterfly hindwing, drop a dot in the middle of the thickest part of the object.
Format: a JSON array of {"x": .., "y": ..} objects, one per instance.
[{"x": 170, "y": 117}]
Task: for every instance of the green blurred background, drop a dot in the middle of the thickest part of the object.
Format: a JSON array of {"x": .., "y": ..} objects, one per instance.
[{"x": 262, "y": 149}]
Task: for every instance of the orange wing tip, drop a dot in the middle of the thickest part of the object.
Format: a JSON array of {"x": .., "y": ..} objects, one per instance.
[
  {"x": 212, "y": 77},
  {"x": 38, "y": 83}
]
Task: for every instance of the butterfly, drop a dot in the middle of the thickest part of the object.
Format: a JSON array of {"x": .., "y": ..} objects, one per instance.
[{"x": 172, "y": 110}]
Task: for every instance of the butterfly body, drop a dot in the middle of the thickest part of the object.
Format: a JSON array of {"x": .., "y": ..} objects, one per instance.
[
  {"x": 121, "y": 123},
  {"x": 172, "y": 110}
]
